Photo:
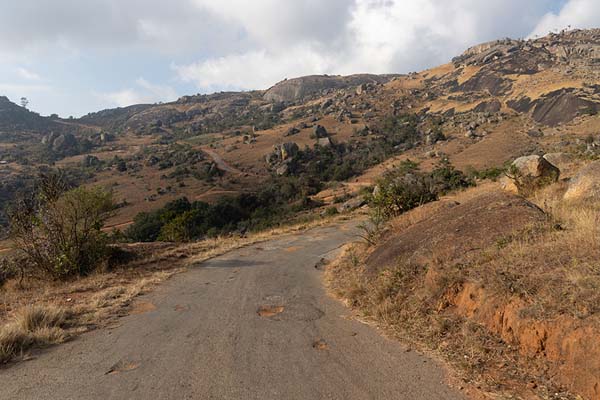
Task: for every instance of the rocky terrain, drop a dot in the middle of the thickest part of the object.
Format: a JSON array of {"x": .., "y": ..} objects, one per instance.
[
  {"x": 480, "y": 175},
  {"x": 493, "y": 103}
]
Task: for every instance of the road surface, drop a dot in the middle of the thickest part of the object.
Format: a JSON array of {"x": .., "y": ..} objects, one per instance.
[
  {"x": 255, "y": 323},
  {"x": 221, "y": 164}
]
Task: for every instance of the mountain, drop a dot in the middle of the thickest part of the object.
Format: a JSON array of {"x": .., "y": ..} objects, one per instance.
[
  {"x": 17, "y": 118},
  {"x": 494, "y": 102}
]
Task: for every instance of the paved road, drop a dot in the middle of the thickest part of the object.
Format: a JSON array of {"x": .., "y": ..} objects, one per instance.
[{"x": 202, "y": 338}]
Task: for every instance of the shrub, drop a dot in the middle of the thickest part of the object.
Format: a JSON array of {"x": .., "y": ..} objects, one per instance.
[
  {"x": 58, "y": 231},
  {"x": 405, "y": 187},
  {"x": 330, "y": 211}
]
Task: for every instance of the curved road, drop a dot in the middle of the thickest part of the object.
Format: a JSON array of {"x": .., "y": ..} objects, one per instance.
[{"x": 255, "y": 323}]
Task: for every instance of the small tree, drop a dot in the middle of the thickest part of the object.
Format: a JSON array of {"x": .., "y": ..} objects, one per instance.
[
  {"x": 58, "y": 231},
  {"x": 24, "y": 102}
]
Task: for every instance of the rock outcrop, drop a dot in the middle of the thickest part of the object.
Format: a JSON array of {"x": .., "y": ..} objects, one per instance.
[
  {"x": 281, "y": 156},
  {"x": 586, "y": 184},
  {"x": 529, "y": 173}
]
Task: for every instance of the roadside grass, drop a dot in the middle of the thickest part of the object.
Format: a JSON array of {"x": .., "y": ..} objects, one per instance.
[
  {"x": 37, "y": 313},
  {"x": 35, "y": 325}
]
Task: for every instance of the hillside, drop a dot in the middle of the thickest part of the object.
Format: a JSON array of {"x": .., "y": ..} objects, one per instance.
[
  {"x": 472, "y": 185},
  {"x": 494, "y": 102}
]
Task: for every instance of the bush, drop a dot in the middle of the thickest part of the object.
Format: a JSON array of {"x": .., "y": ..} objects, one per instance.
[
  {"x": 58, "y": 231},
  {"x": 405, "y": 187}
]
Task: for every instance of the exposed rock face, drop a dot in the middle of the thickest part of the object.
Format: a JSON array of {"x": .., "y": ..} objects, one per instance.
[
  {"x": 291, "y": 90},
  {"x": 281, "y": 156},
  {"x": 531, "y": 172},
  {"x": 562, "y": 107},
  {"x": 486, "y": 52},
  {"x": 352, "y": 204},
  {"x": 586, "y": 184},
  {"x": 492, "y": 106}
]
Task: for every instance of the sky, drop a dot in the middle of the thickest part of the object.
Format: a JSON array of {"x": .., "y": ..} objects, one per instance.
[{"x": 71, "y": 57}]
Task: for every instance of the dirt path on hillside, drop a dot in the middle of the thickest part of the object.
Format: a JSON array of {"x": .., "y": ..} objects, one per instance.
[{"x": 221, "y": 164}]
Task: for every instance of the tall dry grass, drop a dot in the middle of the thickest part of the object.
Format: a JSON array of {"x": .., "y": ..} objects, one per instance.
[{"x": 35, "y": 325}]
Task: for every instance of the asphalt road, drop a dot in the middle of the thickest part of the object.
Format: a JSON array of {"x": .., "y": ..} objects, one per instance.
[{"x": 201, "y": 337}]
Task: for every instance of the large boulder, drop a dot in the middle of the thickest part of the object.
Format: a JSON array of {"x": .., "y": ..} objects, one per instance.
[
  {"x": 536, "y": 167},
  {"x": 282, "y": 152},
  {"x": 321, "y": 132},
  {"x": 586, "y": 184},
  {"x": 529, "y": 173},
  {"x": 64, "y": 142}
]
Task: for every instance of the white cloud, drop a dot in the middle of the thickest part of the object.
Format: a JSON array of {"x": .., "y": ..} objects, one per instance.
[
  {"x": 575, "y": 14},
  {"x": 27, "y": 74},
  {"x": 241, "y": 44},
  {"x": 145, "y": 92},
  {"x": 378, "y": 36},
  {"x": 253, "y": 70}
]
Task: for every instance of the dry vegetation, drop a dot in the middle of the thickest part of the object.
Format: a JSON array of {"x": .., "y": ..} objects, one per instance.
[{"x": 520, "y": 313}]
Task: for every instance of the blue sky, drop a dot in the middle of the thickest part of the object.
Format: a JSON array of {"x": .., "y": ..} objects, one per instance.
[{"x": 72, "y": 57}]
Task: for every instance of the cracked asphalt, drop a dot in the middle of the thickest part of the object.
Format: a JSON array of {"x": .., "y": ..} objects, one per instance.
[{"x": 255, "y": 323}]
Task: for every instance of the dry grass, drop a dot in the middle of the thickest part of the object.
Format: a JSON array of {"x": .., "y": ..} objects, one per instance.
[{"x": 36, "y": 325}]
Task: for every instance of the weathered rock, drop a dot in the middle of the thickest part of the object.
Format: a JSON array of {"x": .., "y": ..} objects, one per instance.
[
  {"x": 535, "y": 166},
  {"x": 282, "y": 169},
  {"x": 586, "y": 184},
  {"x": 90, "y": 161},
  {"x": 324, "y": 142},
  {"x": 281, "y": 153},
  {"x": 532, "y": 172},
  {"x": 560, "y": 160},
  {"x": 352, "y": 204},
  {"x": 292, "y": 131},
  {"x": 64, "y": 142},
  {"x": 320, "y": 131}
]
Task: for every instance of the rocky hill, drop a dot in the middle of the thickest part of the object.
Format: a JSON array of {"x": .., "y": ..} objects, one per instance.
[
  {"x": 493, "y": 103},
  {"x": 298, "y": 89},
  {"x": 16, "y": 118}
]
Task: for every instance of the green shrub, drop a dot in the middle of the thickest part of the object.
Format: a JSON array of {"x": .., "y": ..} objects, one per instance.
[
  {"x": 58, "y": 231},
  {"x": 405, "y": 187}
]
